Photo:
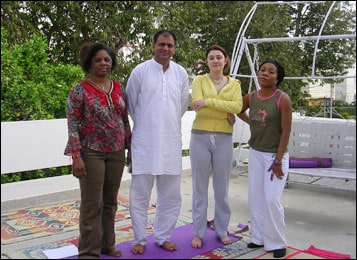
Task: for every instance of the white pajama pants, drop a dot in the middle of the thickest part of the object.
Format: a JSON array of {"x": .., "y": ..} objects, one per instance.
[
  {"x": 168, "y": 205},
  {"x": 266, "y": 211}
]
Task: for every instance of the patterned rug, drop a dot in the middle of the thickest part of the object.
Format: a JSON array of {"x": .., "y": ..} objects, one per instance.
[
  {"x": 310, "y": 253},
  {"x": 124, "y": 233},
  {"x": 24, "y": 224}
]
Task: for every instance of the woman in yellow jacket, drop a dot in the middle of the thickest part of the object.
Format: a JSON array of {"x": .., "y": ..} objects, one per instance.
[{"x": 216, "y": 97}]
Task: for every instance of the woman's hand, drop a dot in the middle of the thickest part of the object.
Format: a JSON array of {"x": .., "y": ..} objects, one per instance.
[
  {"x": 231, "y": 118},
  {"x": 276, "y": 170},
  {"x": 198, "y": 104},
  {"x": 78, "y": 168}
]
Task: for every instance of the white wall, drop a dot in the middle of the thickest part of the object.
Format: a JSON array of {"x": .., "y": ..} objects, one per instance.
[
  {"x": 39, "y": 144},
  {"x": 31, "y": 145}
]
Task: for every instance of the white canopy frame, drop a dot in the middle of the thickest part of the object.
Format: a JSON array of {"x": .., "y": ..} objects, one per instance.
[
  {"x": 241, "y": 44},
  {"x": 241, "y": 47}
]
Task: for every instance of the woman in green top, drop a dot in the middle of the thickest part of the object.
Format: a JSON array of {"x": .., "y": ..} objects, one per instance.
[
  {"x": 270, "y": 116},
  {"x": 216, "y": 97}
]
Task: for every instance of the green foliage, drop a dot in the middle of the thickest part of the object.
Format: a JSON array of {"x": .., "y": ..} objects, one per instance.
[
  {"x": 345, "y": 115},
  {"x": 66, "y": 25},
  {"x": 35, "y": 174},
  {"x": 185, "y": 152},
  {"x": 11, "y": 177},
  {"x": 31, "y": 87},
  {"x": 349, "y": 110}
]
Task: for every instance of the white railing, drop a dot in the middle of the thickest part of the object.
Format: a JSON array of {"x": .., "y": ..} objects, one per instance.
[
  {"x": 31, "y": 145},
  {"x": 39, "y": 144}
]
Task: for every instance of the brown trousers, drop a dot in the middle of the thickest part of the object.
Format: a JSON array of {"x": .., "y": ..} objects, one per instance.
[{"x": 99, "y": 192}]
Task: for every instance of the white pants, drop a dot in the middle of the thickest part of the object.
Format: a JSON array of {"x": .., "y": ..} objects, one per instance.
[
  {"x": 266, "y": 212},
  {"x": 168, "y": 205}
]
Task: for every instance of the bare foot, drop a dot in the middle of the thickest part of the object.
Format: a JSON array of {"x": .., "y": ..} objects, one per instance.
[
  {"x": 167, "y": 245},
  {"x": 138, "y": 249},
  {"x": 196, "y": 242},
  {"x": 225, "y": 240}
]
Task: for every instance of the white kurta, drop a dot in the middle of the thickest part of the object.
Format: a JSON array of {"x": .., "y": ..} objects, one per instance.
[{"x": 157, "y": 101}]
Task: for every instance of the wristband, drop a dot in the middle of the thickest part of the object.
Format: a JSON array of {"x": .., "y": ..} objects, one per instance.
[{"x": 277, "y": 163}]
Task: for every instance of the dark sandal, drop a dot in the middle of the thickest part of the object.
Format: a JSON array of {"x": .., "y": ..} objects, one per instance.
[
  {"x": 112, "y": 252},
  {"x": 252, "y": 245}
]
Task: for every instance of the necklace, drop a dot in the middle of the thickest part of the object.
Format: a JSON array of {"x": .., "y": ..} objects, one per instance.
[
  {"x": 97, "y": 85},
  {"x": 217, "y": 81}
]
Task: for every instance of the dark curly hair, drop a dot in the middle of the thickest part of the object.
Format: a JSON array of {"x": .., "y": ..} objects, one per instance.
[
  {"x": 89, "y": 50},
  {"x": 280, "y": 70}
]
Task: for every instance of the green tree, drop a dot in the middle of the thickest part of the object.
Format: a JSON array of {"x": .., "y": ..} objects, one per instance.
[
  {"x": 66, "y": 25},
  {"x": 31, "y": 87}
]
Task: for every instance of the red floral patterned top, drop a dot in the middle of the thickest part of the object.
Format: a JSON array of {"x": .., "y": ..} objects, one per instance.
[{"x": 97, "y": 120}]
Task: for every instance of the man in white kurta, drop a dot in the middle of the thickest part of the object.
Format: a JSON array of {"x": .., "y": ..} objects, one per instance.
[{"x": 157, "y": 92}]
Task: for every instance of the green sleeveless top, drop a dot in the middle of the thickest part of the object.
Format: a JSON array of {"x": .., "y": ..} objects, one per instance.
[{"x": 265, "y": 121}]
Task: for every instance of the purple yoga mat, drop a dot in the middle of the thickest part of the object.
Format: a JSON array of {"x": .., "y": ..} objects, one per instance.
[
  {"x": 311, "y": 162},
  {"x": 303, "y": 163},
  {"x": 182, "y": 237}
]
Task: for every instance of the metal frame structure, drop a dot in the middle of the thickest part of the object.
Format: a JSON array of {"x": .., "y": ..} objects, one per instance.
[
  {"x": 241, "y": 47},
  {"x": 241, "y": 44}
]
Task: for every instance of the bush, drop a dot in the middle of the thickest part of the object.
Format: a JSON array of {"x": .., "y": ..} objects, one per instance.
[{"x": 35, "y": 174}]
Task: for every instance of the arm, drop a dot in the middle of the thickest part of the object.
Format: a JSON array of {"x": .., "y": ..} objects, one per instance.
[
  {"x": 74, "y": 112},
  {"x": 198, "y": 98},
  {"x": 127, "y": 127},
  {"x": 185, "y": 95},
  {"x": 243, "y": 114},
  {"x": 228, "y": 101},
  {"x": 286, "y": 121},
  {"x": 132, "y": 91},
  {"x": 209, "y": 112}
]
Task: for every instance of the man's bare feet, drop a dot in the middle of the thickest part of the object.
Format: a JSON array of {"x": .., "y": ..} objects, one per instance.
[
  {"x": 225, "y": 240},
  {"x": 167, "y": 245},
  {"x": 138, "y": 249},
  {"x": 196, "y": 242}
]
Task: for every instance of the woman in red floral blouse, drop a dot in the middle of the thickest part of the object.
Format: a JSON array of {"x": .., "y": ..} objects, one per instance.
[{"x": 98, "y": 134}]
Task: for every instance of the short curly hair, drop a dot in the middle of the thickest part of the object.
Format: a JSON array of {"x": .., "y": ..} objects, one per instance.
[
  {"x": 280, "y": 70},
  {"x": 89, "y": 50}
]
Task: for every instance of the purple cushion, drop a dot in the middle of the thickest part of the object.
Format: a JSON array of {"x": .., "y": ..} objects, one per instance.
[
  {"x": 325, "y": 162},
  {"x": 298, "y": 163},
  {"x": 311, "y": 162}
]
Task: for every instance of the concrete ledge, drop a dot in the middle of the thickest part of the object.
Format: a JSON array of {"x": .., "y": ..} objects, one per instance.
[
  {"x": 40, "y": 192},
  {"x": 37, "y": 187},
  {"x": 48, "y": 191}
]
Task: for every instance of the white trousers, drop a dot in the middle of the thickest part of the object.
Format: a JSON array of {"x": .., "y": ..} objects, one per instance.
[
  {"x": 168, "y": 205},
  {"x": 266, "y": 212}
]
